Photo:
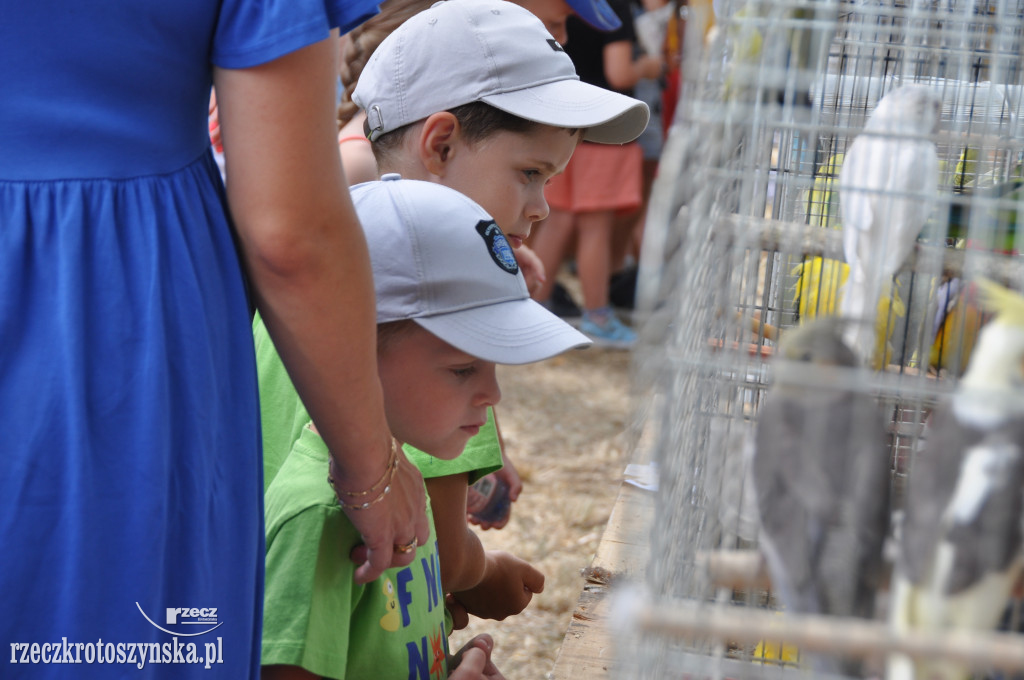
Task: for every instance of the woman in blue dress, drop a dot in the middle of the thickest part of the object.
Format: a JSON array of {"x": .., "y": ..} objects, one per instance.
[{"x": 130, "y": 490}]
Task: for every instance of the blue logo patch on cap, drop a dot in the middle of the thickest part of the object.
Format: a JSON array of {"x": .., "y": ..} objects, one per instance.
[{"x": 497, "y": 245}]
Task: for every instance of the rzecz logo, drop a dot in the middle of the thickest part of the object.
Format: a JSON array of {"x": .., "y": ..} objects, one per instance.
[
  {"x": 187, "y": 616},
  {"x": 203, "y": 615}
]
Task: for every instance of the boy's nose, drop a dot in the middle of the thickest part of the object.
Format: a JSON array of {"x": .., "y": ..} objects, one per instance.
[
  {"x": 537, "y": 209},
  {"x": 490, "y": 392}
]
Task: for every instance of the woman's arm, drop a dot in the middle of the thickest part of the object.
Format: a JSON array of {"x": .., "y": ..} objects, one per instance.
[
  {"x": 622, "y": 72},
  {"x": 306, "y": 257}
]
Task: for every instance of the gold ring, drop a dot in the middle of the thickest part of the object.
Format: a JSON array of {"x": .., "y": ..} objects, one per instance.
[{"x": 408, "y": 547}]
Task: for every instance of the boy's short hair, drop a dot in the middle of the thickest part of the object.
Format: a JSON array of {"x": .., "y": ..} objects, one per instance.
[
  {"x": 389, "y": 331},
  {"x": 439, "y": 259},
  {"x": 492, "y": 51},
  {"x": 477, "y": 121}
]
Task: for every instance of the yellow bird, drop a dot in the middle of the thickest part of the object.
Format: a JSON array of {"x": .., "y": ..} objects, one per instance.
[
  {"x": 820, "y": 281},
  {"x": 966, "y": 169},
  {"x": 819, "y": 290},
  {"x": 822, "y": 199}
]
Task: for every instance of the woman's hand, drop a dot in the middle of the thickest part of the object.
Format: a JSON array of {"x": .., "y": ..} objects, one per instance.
[{"x": 384, "y": 524}]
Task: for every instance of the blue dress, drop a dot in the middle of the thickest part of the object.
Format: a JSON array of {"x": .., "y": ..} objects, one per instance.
[{"x": 130, "y": 479}]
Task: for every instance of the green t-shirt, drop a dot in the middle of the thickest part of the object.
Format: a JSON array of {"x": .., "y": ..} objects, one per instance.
[
  {"x": 315, "y": 615},
  {"x": 282, "y": 414},
  {"x": 283, "y": 418}
]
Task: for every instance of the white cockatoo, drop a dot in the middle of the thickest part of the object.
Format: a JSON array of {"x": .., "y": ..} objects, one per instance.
[
  {"x": 960, "y": 540},
  {"x": 887, "y": 187},
  {"x": 821, "y": 479}
]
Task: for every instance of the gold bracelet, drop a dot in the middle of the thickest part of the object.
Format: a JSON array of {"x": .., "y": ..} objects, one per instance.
[
  {"x": 364, "y": 506},
  {"x": 389, "y": 473}
]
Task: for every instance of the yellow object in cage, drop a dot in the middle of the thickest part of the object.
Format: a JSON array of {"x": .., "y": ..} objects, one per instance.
[
  {"x": 957, "y": 332},
  {"x": 777, "y": 652},
  {"x": 819, "y": 289},
  {"x": 822, "y": 199}
]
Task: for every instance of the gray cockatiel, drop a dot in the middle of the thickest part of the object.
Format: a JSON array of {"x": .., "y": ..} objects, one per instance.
[
  {"x": 887, "y": 187},
  {"x": 821, "y": 479},
  {"x": 960, "y": 542}
]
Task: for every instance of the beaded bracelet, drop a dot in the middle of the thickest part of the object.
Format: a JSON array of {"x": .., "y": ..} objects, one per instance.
[{"x": 386, "y": 479}]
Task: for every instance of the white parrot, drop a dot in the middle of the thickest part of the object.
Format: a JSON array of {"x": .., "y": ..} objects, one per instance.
[
  {"x": 821, "y": 480},
  {"x": 960, "y": 542},
  {"x": 887, "y": 187}
]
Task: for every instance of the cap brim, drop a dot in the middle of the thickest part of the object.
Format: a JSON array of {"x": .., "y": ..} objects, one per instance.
[
  {"x": 597, "y": 13},
  {"x": 608, "y": 117},
  {"x": 511, "y": 332}
]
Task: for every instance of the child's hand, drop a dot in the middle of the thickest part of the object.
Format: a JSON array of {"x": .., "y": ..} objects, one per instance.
[
  {"x": 473, "y": 661},
  {"x": 513, "y": 483},
  {"x": 532, "y": 267},
  {"x": 460, "y": 617},
  {"x": 507, "y": 587}
]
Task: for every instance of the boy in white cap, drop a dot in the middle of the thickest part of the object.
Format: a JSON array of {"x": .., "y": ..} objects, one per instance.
[
  {"x": 478, "y": 96},
  {"x": 451, "y": 303}
]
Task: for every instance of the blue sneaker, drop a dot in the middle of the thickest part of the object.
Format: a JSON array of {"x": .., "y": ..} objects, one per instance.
[{"x": 605, "y": 329}]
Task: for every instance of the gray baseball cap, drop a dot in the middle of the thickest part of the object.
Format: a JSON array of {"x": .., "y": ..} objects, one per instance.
[
  {"x": 492, "y": 51},
  {"x": 440, "y": 260}
]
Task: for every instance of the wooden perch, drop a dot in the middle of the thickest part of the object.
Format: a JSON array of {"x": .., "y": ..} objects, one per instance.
[
  {"x": 757, "y": 326},
  {"x": 827, "y": 634},
  {"x": 737, "y": 569}
]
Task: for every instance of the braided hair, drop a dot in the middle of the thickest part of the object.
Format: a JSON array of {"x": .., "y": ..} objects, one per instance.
[{"x": 361, "y": 42}]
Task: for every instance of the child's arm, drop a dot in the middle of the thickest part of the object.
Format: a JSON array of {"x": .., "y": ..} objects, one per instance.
[
  {"x": 460, "y": 550},
  {"x": 491, "y": 585},
  {"x": 509, "y": 475},
  {"x": 506, "y": 589},
  {"x": 508, "y": 470}
]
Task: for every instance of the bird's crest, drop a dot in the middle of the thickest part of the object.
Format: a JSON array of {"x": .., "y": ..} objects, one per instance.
[{"x": 1008, "y": 305}]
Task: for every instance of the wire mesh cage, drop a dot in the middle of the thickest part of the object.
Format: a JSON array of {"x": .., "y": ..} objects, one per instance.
[{"x": 745, "y": 240}]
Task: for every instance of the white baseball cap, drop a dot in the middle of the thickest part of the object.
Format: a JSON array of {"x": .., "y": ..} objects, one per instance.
[
  {"x": 440, "y": 260},
  {"x": 492, "y": 51}
]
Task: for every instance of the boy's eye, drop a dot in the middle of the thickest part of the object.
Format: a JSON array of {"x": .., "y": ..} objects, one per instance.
[
  {"x": 531, "y": 174},
  {"x": 463, "y": 372}
]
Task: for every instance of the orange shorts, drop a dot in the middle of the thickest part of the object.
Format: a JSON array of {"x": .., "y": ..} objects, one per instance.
[{"x": 599, "y": 177}]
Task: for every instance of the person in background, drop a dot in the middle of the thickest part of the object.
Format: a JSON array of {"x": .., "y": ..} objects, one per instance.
[
  {"x": 601, "y": 181},
  {"x": 651, "y": 21},
  {"x": 554, "y": 13}
]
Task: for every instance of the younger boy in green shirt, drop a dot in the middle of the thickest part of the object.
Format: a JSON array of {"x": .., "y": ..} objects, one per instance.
[{"x": 451, "y": 303}]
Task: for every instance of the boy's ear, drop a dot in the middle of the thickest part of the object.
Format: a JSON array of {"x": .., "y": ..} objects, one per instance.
[{"x": 437, "y": 142}]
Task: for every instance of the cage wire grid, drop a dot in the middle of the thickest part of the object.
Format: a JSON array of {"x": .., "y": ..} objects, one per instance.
[{"x": 743, "y": 240}]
